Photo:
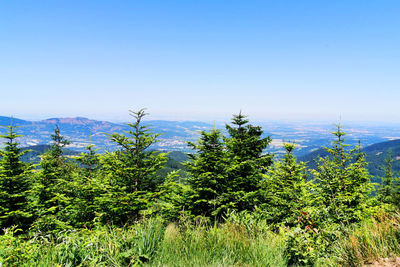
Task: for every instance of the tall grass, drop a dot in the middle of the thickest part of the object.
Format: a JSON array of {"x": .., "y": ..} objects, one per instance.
[
  {"x": 226, "y": 245},
  {"x": 240, "y": 241},
  {"x": 378, "y": 238},
  {"x": 99, "y": 247},
  {"x": 147, "y": 244}
]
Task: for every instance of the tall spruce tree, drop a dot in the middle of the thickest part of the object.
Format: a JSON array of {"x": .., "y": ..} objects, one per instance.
[
  {"x": 15, "y": 178},
  {"x": 247, "y": 162},
  {"x": 130, "y": 172},
  {"x": 51, "y": 186},
  {"x": 286, "y": 189},
  {"x": 207, "y": 168},
  {"x": 343, "y": 182}
]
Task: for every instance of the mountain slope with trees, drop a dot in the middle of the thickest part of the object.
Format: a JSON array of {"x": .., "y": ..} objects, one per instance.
[
  {"x": 233, "y": 203},
  {"x": 375, "y": 155}
]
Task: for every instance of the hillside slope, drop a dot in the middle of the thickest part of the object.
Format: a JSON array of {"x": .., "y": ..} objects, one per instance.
[{"x": 375, "y": 156}]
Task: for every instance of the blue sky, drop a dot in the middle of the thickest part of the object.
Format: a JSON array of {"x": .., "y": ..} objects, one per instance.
[{"x": 201, "y": 59}]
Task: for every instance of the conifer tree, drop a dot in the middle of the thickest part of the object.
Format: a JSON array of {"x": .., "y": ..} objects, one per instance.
[
  {"x": 386, "y": 190},
  {"x": 172, "y": 198},
  {"x": 287, "y": 189},
  {"x": 130, "y": 172},
  {"x": 207, "y": 168},
  {"x": 85, "y": 188},
  {"x": 51, "y": 185},
  {"x": 343, "y": 182},
  {"x": 247, "y": 162},
  {"x": 14, "y": 183},
  {"x": 389, "y": 190}
]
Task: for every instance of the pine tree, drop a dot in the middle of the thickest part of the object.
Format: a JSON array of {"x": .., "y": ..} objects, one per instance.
[
  {"x": 14, "y": 183},
  {"x": 343, "y": 182},
  {"x": 130, "y": 172},
  {"x": 207, "y": 169}
]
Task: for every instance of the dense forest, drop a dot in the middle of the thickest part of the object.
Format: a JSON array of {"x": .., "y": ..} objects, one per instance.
[{"x": 231, "y": 204}]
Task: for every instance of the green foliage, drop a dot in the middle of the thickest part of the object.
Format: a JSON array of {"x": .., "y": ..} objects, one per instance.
[
  {"x": 14, "y": 184},
  {"x": 130, "y": 173},
  {"x": 286, "y": 191},
  {"x": 389, "y": 190},
  {"x": 171, "y": 200},
  {"x": 247, "y": 163},
  {"x": 229, "y": 244},
  {"x": 149, "y": 243},
  {"x": 236, "y": 207},
  {"x": 84, "y": 188},
  {"x": 208, "y": 177},
  {"x": 311, "y": 240},
  {"x": 15, "y": 251},
  {"x": 51, "y": 187},
  {"x": 226, "y": 172},
  {"x": 343, "y": 183},
  {"x": 339, "y": 197}
]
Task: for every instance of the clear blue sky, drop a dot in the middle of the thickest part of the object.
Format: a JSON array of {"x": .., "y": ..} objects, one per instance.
[{"x": 201, "y": 59}]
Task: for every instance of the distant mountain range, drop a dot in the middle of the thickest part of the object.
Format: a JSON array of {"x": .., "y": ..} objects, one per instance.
[
  {"x": 175, "y": 134},
  {"x": 79, "y": 130}
]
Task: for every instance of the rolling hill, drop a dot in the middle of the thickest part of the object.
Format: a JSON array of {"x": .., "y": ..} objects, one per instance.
[{"x": 375, "y": 156}]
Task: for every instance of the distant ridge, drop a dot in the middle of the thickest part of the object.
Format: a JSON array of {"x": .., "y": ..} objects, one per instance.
[
  {"x": 174, "y": 136},
  {"x": 6, "y": 121},
  {"x": 375, "y": 156}
]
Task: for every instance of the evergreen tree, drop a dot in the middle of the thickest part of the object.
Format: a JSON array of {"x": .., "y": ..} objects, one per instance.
[
  {"x": 286, "y": 189},
  {"x": 14, "y": 183},
  {"x": 85, "y": 188},
  {"x": 343, "y": 182},
  {"x": 247, "y": 162},
  {"x": 51, "y": 186},
  {"x": 207, "y": 168},
  {"x": 130, "y": 172},
  {"x": 172, "y": 198},
  {"x": 387, "y": 186}
]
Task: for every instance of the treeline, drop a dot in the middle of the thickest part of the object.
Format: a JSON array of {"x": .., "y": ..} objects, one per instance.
[{"x": 228, "y": 175}]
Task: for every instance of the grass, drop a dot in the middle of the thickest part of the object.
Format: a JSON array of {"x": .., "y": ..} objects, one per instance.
[
  {"x": 146, "y": 244},
  {"x": 226, "y": 245},
  {"x": 240, "y": 241},
  {"x": 372, "y": 240}
]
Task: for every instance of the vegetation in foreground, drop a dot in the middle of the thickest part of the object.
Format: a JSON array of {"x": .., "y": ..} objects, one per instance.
[{"x": 233, "y": 206}]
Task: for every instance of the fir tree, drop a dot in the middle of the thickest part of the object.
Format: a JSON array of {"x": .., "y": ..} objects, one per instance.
[
  {"x": 343, "y": 182},
  {"x": 52, "y": 184},
  {"x": 130, "y": 172},
  {"x": 386, "y": 190},
  {"x": 247, "y": 162},
  {"x": 14, "y": 183},
  {"x": 286, "y": 189},
  {"x": 207, "y": 168},
  {"x": 172, "y": 198},
  {"x": 85, "y": 188}
]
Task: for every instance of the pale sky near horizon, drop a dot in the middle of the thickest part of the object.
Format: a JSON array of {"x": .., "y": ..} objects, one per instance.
[{"x": 201, "y": 59}]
